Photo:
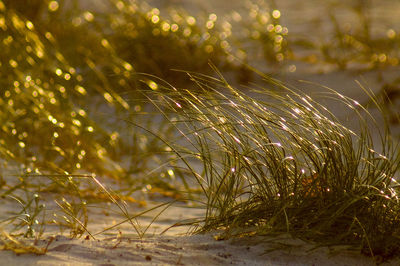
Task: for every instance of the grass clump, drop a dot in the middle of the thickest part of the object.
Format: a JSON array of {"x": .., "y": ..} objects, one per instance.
[{"x": 280, "y": 162}]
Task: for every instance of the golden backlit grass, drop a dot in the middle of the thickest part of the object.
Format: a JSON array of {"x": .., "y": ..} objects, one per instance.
[{"x": 280, "y": 162}]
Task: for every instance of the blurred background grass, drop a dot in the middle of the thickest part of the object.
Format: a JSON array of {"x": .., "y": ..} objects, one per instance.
[{"x": 60, "y": 63}]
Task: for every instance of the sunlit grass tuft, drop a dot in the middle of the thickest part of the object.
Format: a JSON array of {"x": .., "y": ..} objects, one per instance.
[{"x": 280, "y": 162}]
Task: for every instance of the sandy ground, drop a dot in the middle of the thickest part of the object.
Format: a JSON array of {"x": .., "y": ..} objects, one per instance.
[
  {"x": 121, "y": 246},
  {"x": 184, "y": 250}
]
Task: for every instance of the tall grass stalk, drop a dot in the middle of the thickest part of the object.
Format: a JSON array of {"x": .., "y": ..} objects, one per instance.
[{"x": 280, "y": 162}]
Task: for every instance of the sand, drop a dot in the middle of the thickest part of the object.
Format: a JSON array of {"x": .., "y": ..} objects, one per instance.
[
  {"x": 183, "y": 250},
  {"x": 122, "y": 246}
]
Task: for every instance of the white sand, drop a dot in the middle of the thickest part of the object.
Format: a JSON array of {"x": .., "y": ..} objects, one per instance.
[
  {"x": 189, "y": 250},
  {"x": 119, "y": 249},
  {"x": 122, "y": 246}
]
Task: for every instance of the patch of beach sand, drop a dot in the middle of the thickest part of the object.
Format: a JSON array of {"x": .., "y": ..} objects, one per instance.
[
  {"x": 183, "y": 250},
  {"x": 122, "y": 246}
]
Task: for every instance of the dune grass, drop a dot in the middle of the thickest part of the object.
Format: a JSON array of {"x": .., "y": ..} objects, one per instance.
[{"x": 279, "y": 162}]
